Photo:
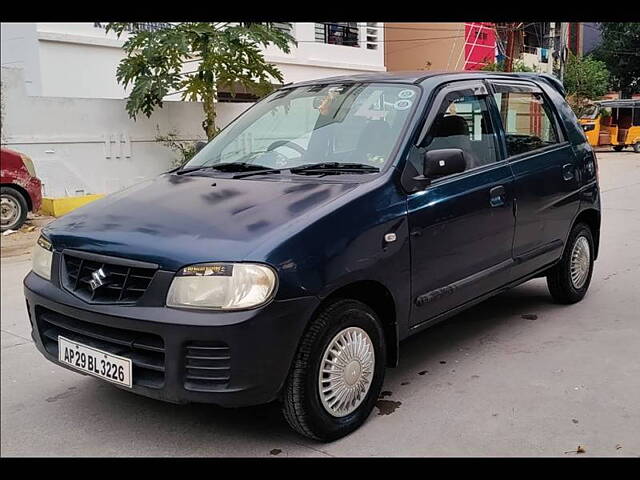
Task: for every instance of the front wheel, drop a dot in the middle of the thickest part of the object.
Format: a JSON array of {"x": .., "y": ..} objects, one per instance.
[
  {"x": 569, "y": 280},
  {"x": 636, "y": 147},
  {"x": 337, "y": 373},
  {"x": 618, "y": 148}
]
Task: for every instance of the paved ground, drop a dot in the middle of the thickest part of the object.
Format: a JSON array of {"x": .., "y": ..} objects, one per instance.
[{"x": 516, "y": 375}]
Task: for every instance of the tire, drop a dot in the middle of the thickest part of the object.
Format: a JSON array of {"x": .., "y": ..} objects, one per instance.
[
  {"x": 636, "y": 147},
  {"x": 303, "y": 407},
  {"x": 14, "y": 208},
  {"x": 562, "y": 286},
  {"x": 618, "y": 148}
]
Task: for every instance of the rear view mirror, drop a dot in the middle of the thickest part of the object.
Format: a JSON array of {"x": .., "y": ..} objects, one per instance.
[
  {"x": 200, "y": 146},
  {"x": 447, "y": 161}
]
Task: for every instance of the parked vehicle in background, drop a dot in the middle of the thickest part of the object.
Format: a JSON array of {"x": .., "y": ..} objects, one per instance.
[
  {"x": 20, "y": 189},
  {"x": 291, "y": 255},
  {"x": 613, "y": 122}
]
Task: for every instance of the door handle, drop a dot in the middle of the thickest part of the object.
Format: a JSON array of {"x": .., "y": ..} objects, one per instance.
[
  {"x": 497, "y": 196},
  {"x": 568, "y": 171}
]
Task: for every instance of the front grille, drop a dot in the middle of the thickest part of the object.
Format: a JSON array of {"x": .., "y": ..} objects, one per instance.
[
  {"x": 207, "y": 366},
  {"x": 122, "y": 283},
  {"x": 145, "y": 350}
]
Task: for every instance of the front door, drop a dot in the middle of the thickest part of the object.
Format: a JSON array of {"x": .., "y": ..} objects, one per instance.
[{"x": 461, "y": 225}]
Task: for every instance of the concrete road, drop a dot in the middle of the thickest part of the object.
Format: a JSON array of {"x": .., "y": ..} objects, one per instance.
[{"x": 516, "y": 375}]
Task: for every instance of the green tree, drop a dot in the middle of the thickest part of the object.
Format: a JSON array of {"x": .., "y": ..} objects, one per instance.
[
  {"x": 518, "y": 66},
  {"x": 620, "y": 51},
  {"x": 196, "y": 59},
  {"x": 585, "y": 79}
]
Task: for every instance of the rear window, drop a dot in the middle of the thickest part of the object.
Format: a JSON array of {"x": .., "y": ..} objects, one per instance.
[{"x": 527, "y": 119}]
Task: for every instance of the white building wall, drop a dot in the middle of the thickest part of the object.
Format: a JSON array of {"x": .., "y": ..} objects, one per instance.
[
  {"x": 310, "y": 59},
  {"x": 19, "y": 49},
  {"x": 79, "y": 70},
  {"x": 81, "y": 145},
  {"x": 64, "y": 107},
  {"x": 80, "y": 60}
]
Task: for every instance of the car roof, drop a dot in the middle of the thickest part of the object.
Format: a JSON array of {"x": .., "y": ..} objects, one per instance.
[
  {"x": 382, "y": 77},
  {"x": 417, "y": 77}
]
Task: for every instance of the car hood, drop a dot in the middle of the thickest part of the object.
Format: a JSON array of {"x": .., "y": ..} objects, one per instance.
[{"x": 176, "y": 220}]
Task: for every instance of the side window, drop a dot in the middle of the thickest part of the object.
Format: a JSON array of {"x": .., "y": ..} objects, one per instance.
[
  {"x": 527, "y": 119},
  {"x": 463, "y": 122}
]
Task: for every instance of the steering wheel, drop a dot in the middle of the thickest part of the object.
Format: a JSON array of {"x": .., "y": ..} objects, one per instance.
[{"x": 286, "y": 143}]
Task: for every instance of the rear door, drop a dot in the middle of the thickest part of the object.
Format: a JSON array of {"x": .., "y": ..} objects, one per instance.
[{"x": 545, "y": 172}]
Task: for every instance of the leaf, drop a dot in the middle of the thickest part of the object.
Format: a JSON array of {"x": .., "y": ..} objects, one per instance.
[
  {"x": 578, "y": 450},
  {"x": 193, "y": 60}
]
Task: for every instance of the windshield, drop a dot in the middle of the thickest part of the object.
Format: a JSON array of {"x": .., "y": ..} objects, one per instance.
[{"x": 316, "y": 124}]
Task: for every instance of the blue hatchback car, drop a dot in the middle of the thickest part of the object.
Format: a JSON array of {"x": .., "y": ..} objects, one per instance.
[{"x": 330, "y": 221}]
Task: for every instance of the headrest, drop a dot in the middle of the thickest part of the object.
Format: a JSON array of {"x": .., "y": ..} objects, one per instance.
[{"x": 451, "y": 125}]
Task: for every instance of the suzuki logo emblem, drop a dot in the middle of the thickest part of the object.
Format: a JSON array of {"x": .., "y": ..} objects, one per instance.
[{"x": 97, "y": 279}]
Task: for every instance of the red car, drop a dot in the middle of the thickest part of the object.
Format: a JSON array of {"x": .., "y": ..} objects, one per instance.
[{"x": 20, "y": 189}]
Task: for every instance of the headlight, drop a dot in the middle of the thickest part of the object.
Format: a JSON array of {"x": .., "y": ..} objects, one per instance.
[
  {"x": 222, "y": 286},
  {"x": 42, "y": 258},
  {"x": 587, "y": 127}
]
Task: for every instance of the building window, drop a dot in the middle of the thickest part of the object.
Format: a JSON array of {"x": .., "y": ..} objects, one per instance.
[
  {"x": 338, "y": 33},
  {"x": 373, "y": 28}
]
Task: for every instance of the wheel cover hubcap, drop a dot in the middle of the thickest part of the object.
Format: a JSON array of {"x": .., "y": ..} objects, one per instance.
[
  {"x": 346, "y": 371},
  {"x": 9, "y": 210},
  {"x": 580, "y": 262}
]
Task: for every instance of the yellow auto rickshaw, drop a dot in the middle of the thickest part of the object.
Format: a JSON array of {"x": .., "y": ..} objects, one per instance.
[{"x": 613, "y": 122}]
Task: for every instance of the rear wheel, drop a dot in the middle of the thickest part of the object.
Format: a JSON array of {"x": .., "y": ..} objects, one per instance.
[
  {"x": 337, "y": 373},
  {"x": 13, "y": 209},
  {"x": 618, "y": 148},
  {"x": 636, "y": 147},
  {"x": 569, "y": 280}
]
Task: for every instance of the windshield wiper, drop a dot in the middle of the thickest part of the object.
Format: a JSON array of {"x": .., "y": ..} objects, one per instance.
[
  {"x": 248, "y": 169},
  {"x": 182, "y": 171},
  {"x": 257, "y": 172},
  {"x": 239, "y": 167},
  {"x": 230, "y": 167},
  {"x": 333, "y": 168}
]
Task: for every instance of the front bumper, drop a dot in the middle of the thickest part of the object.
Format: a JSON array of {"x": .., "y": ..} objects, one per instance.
[{"x": 252, "y": 350}]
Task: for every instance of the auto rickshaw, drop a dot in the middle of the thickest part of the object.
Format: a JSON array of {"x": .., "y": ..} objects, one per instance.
[{"x": 613, "y": 122}]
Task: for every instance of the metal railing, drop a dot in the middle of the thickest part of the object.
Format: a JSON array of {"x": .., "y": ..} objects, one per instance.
[{"x": 140, "y": 27}]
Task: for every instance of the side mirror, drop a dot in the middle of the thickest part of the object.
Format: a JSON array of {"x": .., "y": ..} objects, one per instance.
[
  {"x": 200, "y": 146},
  {"x": 438, "y": 163}
]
